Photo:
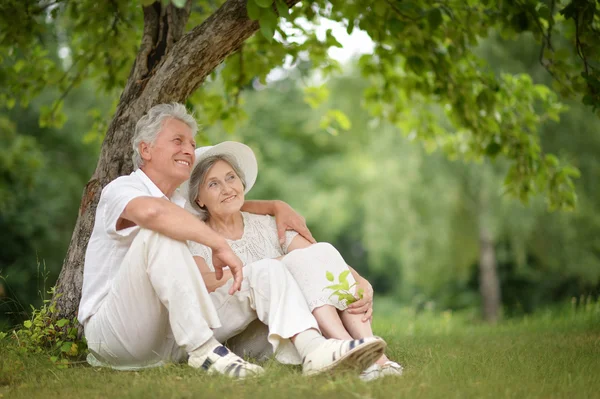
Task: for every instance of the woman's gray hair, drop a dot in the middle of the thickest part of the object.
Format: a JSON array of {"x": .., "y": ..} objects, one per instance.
[
  {"x": 199, "y": 174},
  {"x": 149, "y": 125}
]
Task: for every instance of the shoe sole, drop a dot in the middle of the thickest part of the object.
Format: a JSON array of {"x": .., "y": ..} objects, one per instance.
[{"x": 356, "y": 359}]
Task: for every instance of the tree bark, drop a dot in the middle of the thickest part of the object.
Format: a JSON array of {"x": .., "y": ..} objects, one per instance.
[
  {"x": 489, "y": 284},
  {"x": 169, "y": 66}
]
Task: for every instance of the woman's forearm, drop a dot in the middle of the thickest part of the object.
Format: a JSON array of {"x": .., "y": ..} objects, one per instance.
[{"x": 211, "y": 282}]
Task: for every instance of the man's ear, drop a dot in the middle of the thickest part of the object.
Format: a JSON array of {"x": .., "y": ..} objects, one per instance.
[{"x": 145, "y": 151}]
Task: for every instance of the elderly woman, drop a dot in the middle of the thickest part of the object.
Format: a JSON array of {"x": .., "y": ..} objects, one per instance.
[{"x": 221, "y": 176}]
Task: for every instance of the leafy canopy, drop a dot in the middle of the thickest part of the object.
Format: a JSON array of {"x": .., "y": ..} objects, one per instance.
[{"x": 423, "y": 55}]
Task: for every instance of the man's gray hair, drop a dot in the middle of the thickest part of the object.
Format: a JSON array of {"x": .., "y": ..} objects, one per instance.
[
  {"x": 199, "y": 174},
  {"x": 149, "y": 125}
]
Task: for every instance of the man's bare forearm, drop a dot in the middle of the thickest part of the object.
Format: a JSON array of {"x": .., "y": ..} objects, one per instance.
[
  {"x": 164, "y": 217},
  {"x": 261, "y": 207}
]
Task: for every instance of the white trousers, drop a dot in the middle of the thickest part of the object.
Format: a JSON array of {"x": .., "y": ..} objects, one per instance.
[
  {"x": 308, "y": 267},
  {"x": 270, "y": 294},
  {"x": 158, "y": 309}
]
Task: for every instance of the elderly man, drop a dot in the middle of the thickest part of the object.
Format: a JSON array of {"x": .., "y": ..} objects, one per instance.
[{"x": 144, "y": 301}]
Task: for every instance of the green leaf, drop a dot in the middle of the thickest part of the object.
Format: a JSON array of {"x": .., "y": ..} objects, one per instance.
[
  {"x": 282, "y": 8},
  {"x": 415, "y": 63},
  {"x": 344, "y": 276},
  {"x": 349, "y": 298},
  {"x": 381, "y": 8},
  {"x": 571, "y": 171},
  {"x": 435, "y": 18},
  {"x": 66, "y": 346},
  {"x": 267, "y": 31},
  {"x": 27, "y": 324},
  {"x": 329, "y": 276},
  {"x": 345, "y": 285},
  {"x": 493, "y": 149},
  {"x": 341, "y": 119},
  {"x": 253, "y": 10},
  {"x": 315, "y": 96},
  {"x": 268, "y": 23},
  {"x": 360, "y": 293},
  {"x": 178, "y": 3},
  {"x": 146, "y": 3},
  {"x": 62, "y": 322},
  {"x": 263, "y": 3}
]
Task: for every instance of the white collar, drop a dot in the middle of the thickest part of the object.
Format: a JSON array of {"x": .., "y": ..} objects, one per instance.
[{"x": 177, "y": 198}]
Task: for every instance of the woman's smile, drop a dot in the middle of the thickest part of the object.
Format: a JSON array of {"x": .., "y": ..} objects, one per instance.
[{"x": 230, "y": 198}]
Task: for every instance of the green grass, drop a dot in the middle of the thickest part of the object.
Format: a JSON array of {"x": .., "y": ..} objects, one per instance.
[{"x": 553, "y": 354}]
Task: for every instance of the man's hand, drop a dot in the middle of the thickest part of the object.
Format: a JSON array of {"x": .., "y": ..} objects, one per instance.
[
  {"x": 288, "y": 219},
  {"x": 364, "y": 305},
  {"x": 224, "y": 256}
]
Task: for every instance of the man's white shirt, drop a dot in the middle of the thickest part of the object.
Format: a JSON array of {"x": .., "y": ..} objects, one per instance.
[{"x": 107, "y": 246}]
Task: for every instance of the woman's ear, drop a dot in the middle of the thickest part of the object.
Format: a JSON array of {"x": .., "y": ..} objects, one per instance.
[{"x": 200, "y": 204}]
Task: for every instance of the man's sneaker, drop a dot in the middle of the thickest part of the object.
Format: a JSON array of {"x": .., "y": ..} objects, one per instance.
[
  {"x": 222, "y": 361},
  {"x": 338, "y": 355},
  {"x": 376, "y": 371}
]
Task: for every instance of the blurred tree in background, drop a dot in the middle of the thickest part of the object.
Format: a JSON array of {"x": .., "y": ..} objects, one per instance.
[
  {"x": 412, "y": 221},
  {"x": 337, "y": 148}
]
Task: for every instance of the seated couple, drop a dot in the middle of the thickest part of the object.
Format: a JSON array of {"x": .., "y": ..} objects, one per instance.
[{"x": 154, "y": 286}]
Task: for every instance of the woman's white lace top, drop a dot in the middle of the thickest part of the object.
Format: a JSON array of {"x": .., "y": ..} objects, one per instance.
[{"x": 259, "y": 241}]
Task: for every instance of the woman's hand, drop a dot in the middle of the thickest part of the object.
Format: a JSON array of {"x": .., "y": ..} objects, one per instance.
[
  {"x": 364, "y": 305},
  {"x": 288, "y": 219},
  {"x": 224, "y": 256}
]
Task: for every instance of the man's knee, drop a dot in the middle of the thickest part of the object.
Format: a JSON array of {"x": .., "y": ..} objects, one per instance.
[{"x": 266, "y": 270}]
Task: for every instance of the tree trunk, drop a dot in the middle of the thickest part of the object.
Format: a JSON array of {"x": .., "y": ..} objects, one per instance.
[
  {"x": 169, "y": 66},
  {"x": 489, "y": 284}
]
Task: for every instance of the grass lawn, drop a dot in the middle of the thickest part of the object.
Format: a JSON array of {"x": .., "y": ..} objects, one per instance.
[{"x": 553, "y": 354}]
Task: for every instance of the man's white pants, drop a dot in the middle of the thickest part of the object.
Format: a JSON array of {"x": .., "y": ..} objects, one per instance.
[{"x": 158, "y": 309}]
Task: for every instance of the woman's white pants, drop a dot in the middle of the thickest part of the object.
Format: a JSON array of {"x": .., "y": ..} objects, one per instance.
[{"x": 158, "y": 309}]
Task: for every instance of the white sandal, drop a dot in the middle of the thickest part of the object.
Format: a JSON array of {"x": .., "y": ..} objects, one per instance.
[
  {"x": 375, "y": 371},
  {"x": 392, "y": 368},
  {"x": 338, "y": 355}
]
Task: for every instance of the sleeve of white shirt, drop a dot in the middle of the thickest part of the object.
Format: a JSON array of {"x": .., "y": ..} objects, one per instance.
[
  {"x": 202, "y": 251},
  {"x": 116, "y": 195}
]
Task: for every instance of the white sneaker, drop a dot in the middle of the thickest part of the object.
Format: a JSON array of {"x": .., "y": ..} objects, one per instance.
[
  {"x": 376, "y": 371},
  {"x": 392, "y": 368},
  {"x": 222, "y": 361},
  {"x": 371, "y": 373},
  {"x": 340, "y": 355}
]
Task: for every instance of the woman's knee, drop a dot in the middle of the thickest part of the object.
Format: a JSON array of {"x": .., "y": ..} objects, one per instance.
[{"x": 327, "y": 248}]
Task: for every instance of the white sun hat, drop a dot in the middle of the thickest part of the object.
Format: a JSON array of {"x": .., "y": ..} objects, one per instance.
[{"x": 243, "y": 155}]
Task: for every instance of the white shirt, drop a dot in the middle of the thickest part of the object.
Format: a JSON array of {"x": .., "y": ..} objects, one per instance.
[
  {"x": 107, "y": 246},
  {"x": 259, "y": 241}
]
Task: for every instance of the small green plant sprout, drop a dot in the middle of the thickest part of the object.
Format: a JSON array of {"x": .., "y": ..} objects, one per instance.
[
  {"x": 342, "y": 288},
  {"x": 42, "y": 334}
]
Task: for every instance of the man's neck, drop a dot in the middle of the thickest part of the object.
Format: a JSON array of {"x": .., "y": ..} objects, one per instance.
[{"x": 164, "y": 184}]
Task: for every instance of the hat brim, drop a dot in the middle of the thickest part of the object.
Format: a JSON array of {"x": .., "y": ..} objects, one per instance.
[{"x": 243, "y": 155}]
